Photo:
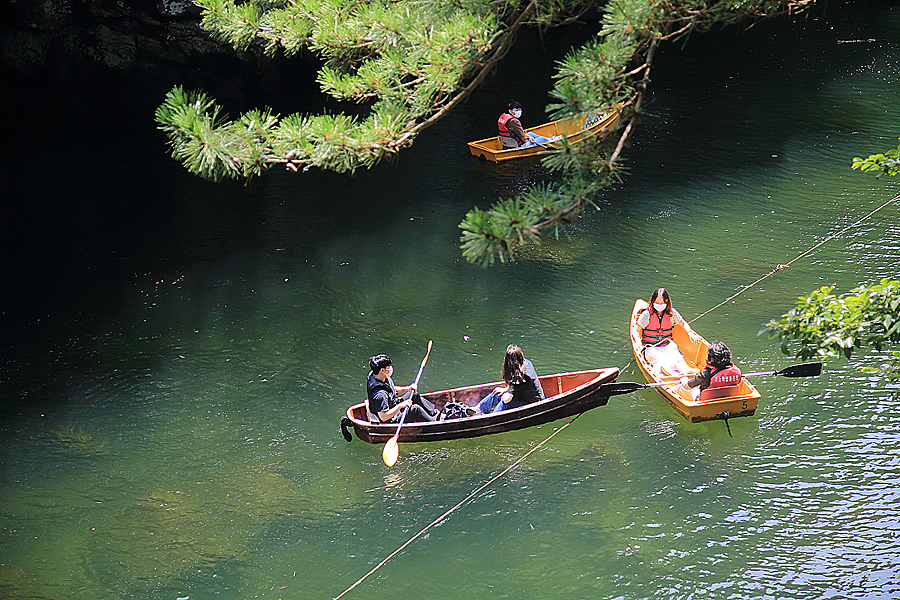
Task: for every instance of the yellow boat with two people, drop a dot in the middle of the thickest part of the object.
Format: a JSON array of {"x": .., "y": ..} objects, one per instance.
[
  {"x": 573, "y": 129},
  {"x": 739, "y": 400}
]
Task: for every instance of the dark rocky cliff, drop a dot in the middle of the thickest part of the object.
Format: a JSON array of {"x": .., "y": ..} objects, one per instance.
[{"x": 82, "y": 53}]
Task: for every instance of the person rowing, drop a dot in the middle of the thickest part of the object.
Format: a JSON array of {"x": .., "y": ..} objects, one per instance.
[
  {"x": 718, "y": 372},
  {"x": 385, "y": 402}
]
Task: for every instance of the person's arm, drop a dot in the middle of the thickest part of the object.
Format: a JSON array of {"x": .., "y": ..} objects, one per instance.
[
  {"x": 515, "y": 126},
  {"x": 692, "y": 335},
  {"x": 389, "y": 412},
  {"x": 402, "y": 389},
  {"x": 701, "y": 378},
  {"x": 532, "y": 373},
  {"x": 643, "y": 319}
]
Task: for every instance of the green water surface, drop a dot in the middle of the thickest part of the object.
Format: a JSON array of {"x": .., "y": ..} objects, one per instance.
[{"x": 179, "y": 355}]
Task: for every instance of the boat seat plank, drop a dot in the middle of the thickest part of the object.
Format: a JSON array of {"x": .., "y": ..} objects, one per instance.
[{"x": 723, "y": 392}]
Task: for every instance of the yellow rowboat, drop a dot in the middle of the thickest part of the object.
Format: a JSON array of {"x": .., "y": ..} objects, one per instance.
[
  {"x": 739, "y": 400},
  {"x": 574, "y": 129}
]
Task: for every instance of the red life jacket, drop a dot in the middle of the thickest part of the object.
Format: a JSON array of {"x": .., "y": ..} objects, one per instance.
[
  {"x": 501, "y": 125},
  {"x": 652, "y": 336},
  {"x": 727, "y": 377}
]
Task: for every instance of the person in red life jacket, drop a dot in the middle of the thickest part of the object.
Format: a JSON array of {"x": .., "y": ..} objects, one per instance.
[
  {"x": 718, "y": 372},
  {"x": 512, "y": 135},
  {"x": 655, "y": 325}
]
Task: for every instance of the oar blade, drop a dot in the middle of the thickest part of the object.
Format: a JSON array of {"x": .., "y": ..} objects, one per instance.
[
  {"x": 803, "y": 370},
  {"x": 391, "y": 451}
]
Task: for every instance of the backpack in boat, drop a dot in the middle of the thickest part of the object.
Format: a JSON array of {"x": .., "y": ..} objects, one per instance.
[{"x": 455, "y": 410}]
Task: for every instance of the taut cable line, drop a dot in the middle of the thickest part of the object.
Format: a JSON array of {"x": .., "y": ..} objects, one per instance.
[
  {"x": 459, "y": 504},
  {"x": 789, "y": 263}
]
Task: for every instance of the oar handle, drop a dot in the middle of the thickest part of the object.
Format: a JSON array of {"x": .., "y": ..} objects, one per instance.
[
  {"x": 416, "y": 383},
  {"x": 759, "y": 373},
  {"x": 422, "y": 366}
]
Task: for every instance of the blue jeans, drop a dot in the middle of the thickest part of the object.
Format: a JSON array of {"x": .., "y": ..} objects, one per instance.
[
  {"x": 540, "y": 140},
  {"x": 492, "y": 403}
]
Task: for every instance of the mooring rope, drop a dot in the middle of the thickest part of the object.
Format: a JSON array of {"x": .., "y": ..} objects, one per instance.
[{"x": 459, "y": 504}]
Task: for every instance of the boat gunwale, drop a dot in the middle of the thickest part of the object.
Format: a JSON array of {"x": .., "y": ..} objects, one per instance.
[{"x": 579, "y": 399}]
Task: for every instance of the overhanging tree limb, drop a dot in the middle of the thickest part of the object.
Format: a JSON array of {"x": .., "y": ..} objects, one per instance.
[{"x": 640, "y": 25}]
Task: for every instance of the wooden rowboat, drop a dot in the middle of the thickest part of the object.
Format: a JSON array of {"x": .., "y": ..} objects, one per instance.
[
  {"x": 566, "y": 394},
  {"x": 574, "y": 129},
  {"x": 740, "y": 400}
]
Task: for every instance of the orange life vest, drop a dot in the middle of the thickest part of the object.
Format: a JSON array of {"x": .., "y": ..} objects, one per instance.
[
  {"x": 501, "y": 125},
  {"x": 727, "y": 377},
  {"x": 652, "y": 336}
]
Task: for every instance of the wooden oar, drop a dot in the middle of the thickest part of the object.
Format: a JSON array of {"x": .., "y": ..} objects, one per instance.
[
  {"x": 392, "y": 447},
  {"x": 801, "y": 370}
]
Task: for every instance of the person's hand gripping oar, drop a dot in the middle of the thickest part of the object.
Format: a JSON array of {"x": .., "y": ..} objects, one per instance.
[{"x": 392, "y": 447}]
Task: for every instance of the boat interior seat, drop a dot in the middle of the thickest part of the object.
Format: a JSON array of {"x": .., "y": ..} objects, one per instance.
[{"x": 720, "y": 392}]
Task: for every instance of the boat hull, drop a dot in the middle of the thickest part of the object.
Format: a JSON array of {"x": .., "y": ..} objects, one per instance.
[
  {"x": 738, "y": 401},
  {"x": 566, "y": 394},
  {"x": 573, "y": 128}
]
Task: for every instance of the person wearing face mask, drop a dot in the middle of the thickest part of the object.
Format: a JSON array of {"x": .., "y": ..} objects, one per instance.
[
  {"x": 385, "y": 405},
  {"x": 512, "y": 135},
  {"x": 655, "y": 326}
]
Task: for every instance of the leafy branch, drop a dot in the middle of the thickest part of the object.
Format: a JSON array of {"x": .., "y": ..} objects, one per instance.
[
  {"x": 888, "y": 163},
  {"x": 409, "y": 59},
  {"x": 826, "y": 324}
]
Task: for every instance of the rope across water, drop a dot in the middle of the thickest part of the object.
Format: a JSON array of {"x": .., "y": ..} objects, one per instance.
[
  {"x": 795, "y": 259},
  {"x": 459, "y": 504},
  {"x": 527, "y": 454}
]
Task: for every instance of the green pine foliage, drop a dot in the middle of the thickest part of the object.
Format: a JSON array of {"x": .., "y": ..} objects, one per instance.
[{"x": 409, "y": 62}]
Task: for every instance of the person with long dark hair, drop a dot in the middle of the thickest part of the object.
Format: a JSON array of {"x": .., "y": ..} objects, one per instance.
[
  {"x": 521, "y": 385},
  {"x": 656, "y": 325}
]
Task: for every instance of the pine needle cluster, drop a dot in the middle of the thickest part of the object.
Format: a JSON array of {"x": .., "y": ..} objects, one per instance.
[
  {"x": 409, "y": 62},
  {"x": 611, "y": 70}
]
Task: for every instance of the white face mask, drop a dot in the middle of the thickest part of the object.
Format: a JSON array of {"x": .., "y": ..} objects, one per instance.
[
  {"x": 517, "y": 113},
  {"x": 659, "y": 307}
]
